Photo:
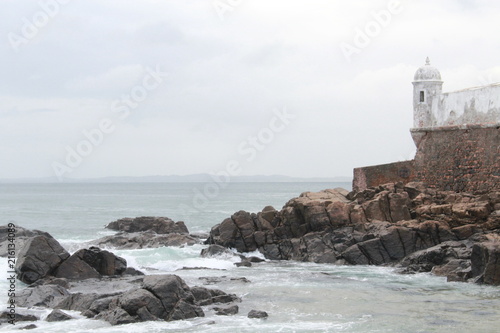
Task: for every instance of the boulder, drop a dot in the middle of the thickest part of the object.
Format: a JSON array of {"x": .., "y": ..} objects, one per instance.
[
  {"x": 159, "y": 225},
  {"x": 22, "y": 237},
  {"x": 146, "y": 239},
  {"x": 44, "y": 296},
  {"x": 485, "y": 260},
  {"x": 257, "y": 314},
  {"x": 5, "y": 317},
  {"x": 175, "y": 296},
  {"x": 116, "y": 316},
  {"x": 58, "y": 315},
  {"x": 40, "y": 256},
  {"x": 230, "y": 311},
  {"x": 140, "y": 300}
]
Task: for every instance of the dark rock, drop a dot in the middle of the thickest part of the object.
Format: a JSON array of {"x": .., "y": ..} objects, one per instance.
[
  {"x": 28, "y": 327},
  {"x": 116, "y": 316},
  {"x": 58, "y": 315},
  {"x": 244, "y": 263},
  {"x": 160, "y": 225},
  {"x": 215, "y": 251},
  {"x": 485, "y": 260},
  {"x": 133, "y": 301},
  {"x": 230, "y": 311},
  {"x": 52, "y": 280},
  {"x": 257, "y": 314},
  {"x": 132, "y": 272},
  {"x": 76, "y": 268},
  {"x": 6, "y": 317},
  {"x": 22, "y": 237},
  {"x": 44, "y": 296},
  {"x": 175, "y": 296},
  {"x": 204, "y": 296},
  {"x": 146, "y": 239},
  {"x": 38, "y": 258}
]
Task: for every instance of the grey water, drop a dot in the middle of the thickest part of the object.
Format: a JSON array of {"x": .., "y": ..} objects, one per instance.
[{"x": 299, "y": 297}]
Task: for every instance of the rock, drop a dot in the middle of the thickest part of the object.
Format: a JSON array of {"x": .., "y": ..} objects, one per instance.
[
  {"x": 141, "y": 300},
  {"x": 116, "y": 316},
  {"x": 146, "y": 239},
  {"x": 5, "y": 317},
  {"x": 44, "y": 296},
  {"x": 159, "y": 225},
  {"x": 132, "y": 272},
  {"x": 257, "y": 314},
  {"x": 454, "y": 270},
  {"x": 204, "y": 296},
  {"x": 485, "y": 260},
  {"x": 91, "y": 263},
  {"x": 39, "y": 257},
  {"x": 52, "y": 280},
  {"x": 230, "y": 311},
  {"x": 22, "y": 236},
  {"x": 58, "y": 315},
  {"x": 75, "y": 268},
  {"x": 28, "y": 327},
  {"x": 175, "y": 296},
  {"x": 216, "y": 251},
  {"x": 244, "y": 263}
]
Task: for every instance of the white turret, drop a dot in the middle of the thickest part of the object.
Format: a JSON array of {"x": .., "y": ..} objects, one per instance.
[{"x": 427, "y": 88}]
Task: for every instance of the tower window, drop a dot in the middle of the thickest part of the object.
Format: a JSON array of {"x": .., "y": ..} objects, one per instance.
[{"x": 422, "y": 97}]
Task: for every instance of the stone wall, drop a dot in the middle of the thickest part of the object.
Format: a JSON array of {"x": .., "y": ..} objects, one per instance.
[
  {"x": 382, "y": 174},
  {"x": 479, "y": 105},
  {"x": 465, "y": 158},
  {"x": 459, "y": 158}
]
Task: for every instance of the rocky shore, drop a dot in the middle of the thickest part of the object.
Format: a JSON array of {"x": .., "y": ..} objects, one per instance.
[{"x": 412, "y": 227}]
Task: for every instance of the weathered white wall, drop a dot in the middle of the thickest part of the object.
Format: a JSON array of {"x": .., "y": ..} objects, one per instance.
[{"x": 469, "y": 106}]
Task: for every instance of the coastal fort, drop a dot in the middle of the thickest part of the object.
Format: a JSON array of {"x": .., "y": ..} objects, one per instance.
[{"x": 457, "y": 135}]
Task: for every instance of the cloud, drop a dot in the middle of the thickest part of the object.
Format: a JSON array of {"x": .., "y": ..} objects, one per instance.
[{"x": 226, "y": 77}]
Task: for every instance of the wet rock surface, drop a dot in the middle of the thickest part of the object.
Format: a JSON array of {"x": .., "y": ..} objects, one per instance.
[{"x": 388, "y": 225}]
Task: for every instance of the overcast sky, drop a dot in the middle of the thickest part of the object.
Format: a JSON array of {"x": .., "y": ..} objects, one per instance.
[{"x": 302, "y": 88}]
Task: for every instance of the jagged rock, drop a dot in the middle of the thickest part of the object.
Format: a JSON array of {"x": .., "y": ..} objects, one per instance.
[
  {"x": 146, "y": 239},
  {"x": 230, "y": 311},
  {"x": 40, "y": 256},
  {"x": 175, "y": 296},
  {"x": 486, "y": 262},
  {"x": 52, "y": 280},
  {"x": 58, "y": 315},
  {"x": 5, "y": 317},
  {"x": 141, "y": 300},
  {"x": 132, "y": 271},
  {"x": 116, "y": 316},
  {"x": 28, "y": 327},
  {"x": 215, "y": 251},
  {"x": 22, "y": 237},
  {"x": 44, "y": 296},
  {"x": 75, "y": 268},
  {"x": 257, "y": 314},
  {"x": 204, "y": 296},
  {"x": 159, "y": 225},
  {"x": 439, "y": 255}
]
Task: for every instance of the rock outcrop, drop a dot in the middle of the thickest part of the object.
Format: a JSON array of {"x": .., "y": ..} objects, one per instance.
[
  {"x": 159, "y": 297},
  {"x": 146, "y": 232},
  {"x": 387, "y": 225},
  {"x": 160, "y": 225},
  {"x": 40, "y": 256},
  {"x": 43, "y": 257}
]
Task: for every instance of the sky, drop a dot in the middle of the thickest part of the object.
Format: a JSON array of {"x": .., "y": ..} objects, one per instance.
[{"x": 304, "y": 88}]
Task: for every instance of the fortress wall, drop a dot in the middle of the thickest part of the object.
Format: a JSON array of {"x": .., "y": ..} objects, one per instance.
[
  {"x": 465, "y": 158},
  {"x": 460, "y": 158},
  {"x": 371, "y": 176},
  {"x": 469, "y": 106}
]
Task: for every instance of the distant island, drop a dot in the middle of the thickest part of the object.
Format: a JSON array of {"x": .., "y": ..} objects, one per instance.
[{"x": 194, "y": 178}]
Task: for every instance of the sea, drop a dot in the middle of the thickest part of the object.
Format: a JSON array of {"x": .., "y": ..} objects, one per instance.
[{"x": 298, "y": 296}]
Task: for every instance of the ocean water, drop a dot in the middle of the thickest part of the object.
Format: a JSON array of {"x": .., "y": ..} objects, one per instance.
[{"x": 299, "y": 297}]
